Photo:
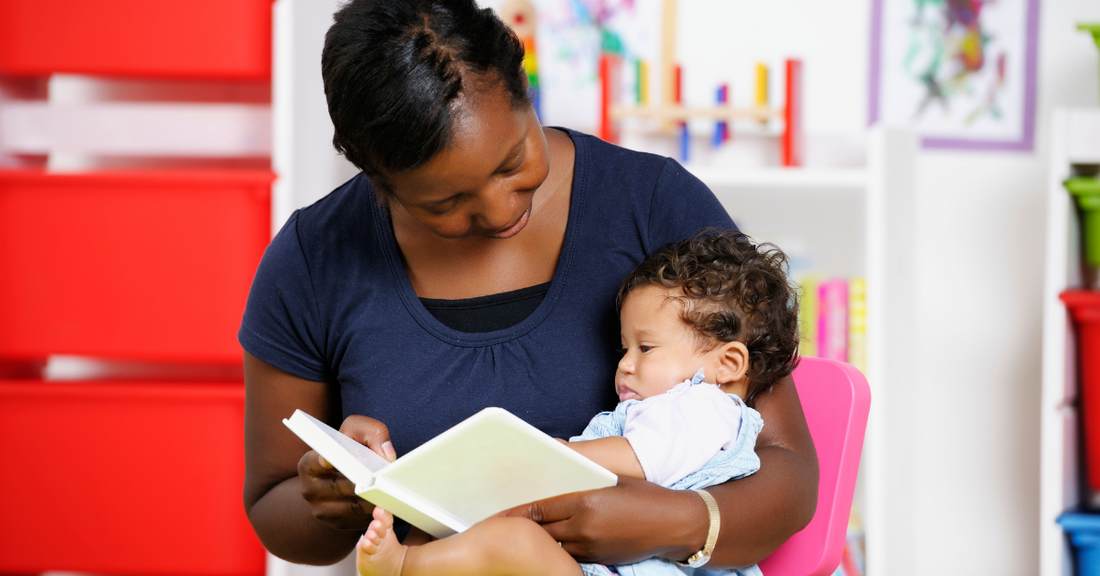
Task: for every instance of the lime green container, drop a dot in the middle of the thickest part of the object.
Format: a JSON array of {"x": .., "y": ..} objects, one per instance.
[{"x": 1087, "y": 193}]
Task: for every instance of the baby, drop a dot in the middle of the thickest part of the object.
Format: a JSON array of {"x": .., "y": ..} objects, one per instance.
[{"x": 708, "y": 324}]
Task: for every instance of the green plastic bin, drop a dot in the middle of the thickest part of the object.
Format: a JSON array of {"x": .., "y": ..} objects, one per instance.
[{"x": 1087, "y": 193}]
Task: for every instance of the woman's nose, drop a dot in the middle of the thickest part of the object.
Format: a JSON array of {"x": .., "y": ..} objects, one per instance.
[{"x": 498, "y": 207}]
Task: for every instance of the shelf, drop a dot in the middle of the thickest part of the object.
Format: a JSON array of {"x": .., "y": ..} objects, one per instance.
[
  {"x": 203, "y": 130},
  {"x": 849, "y": 222},
  {"x": 1075, "y": 138}
]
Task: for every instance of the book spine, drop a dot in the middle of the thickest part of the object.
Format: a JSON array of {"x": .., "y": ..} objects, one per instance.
[
  {"x": 832, "y": 326},
  {"x": 857, "y": 323},
  {"x": 807, "y": 315}
]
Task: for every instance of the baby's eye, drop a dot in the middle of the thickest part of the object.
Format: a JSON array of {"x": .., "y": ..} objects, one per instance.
[{"x": 645, "y": 349}]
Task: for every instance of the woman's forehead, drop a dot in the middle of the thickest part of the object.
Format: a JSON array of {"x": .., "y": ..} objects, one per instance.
[{"x": 487, "y": 133}]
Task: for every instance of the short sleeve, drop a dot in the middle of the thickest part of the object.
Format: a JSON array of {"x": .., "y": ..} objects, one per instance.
[
  {"x": 681, "y": 206},
  {"x": 677, "y": 433},
  {"x": 605, "y": 424},
  {"x": 281, "y": 325}
]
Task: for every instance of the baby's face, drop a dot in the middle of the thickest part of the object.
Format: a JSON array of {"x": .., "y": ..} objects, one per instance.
[{"x": 659, "y": 348}]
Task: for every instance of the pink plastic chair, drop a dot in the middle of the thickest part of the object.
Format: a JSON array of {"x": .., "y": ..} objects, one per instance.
[{"x": 835, "y": 399}]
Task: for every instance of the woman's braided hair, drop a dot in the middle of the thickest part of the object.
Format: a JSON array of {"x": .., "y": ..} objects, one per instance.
[{"x": 734, "y": 290}]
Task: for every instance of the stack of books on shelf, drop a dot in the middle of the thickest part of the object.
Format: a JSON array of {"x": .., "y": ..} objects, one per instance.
[{"x": 833, "y": 319}]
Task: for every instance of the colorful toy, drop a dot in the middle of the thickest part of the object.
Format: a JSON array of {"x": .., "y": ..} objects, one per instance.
[
  {"x": 673, "y": 116},
  {"x": 721, "y": 129},
  {"x": 520, "y": 15}
]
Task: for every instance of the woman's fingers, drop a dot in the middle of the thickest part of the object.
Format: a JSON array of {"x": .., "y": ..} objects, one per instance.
[
  {"x": 617, "y": 525},
  {"x": 371, "y": 433},
  {"x": 331, "y": 496},
  {"x": 345, "y": 514},
  {"x": 320, "y": 481}
]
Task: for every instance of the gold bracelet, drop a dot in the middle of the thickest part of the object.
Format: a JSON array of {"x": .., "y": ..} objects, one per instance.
[{"x": 703, "y": 556}]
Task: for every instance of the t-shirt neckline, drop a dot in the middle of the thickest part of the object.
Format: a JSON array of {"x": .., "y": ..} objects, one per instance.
[{"x": 430, "y": 324}]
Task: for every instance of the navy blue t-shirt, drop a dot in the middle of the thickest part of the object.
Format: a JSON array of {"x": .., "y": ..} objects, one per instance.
[{"x": 331, "y": 302}]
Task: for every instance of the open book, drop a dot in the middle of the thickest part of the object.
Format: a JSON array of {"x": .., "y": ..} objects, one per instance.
[{"x": 487, "y": 463}]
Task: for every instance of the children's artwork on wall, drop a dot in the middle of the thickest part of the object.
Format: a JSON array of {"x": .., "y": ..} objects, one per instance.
[{"x": 959, "y": 72}]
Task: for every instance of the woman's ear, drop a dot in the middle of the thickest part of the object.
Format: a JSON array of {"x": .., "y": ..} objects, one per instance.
[{"x": 733, "y": 362}]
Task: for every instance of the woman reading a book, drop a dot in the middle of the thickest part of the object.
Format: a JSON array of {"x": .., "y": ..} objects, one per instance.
[{"x": 474, "y": 262}]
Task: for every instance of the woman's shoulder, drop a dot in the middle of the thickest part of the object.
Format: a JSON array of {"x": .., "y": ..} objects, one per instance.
[
  {"x": 344, "y": 219},
  {"x": 332, "y": 237},
  {"x": 345, "y": 206}
]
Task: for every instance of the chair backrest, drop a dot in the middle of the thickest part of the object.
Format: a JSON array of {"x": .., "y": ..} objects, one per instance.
[{"x": 835, "y": 399}]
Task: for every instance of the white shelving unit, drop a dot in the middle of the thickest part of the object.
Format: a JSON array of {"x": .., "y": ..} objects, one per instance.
[
  {"x": 845, "y": 223},
  {"x": 1075, "y": 138}
]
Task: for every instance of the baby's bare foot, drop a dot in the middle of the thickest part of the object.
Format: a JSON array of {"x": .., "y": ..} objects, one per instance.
[{"x": 378, "y": 552}]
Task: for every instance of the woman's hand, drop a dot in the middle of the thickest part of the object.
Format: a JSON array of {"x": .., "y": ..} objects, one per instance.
[
  {"x": 331, "y": 496},
  {"x": 617, "y": 525}
]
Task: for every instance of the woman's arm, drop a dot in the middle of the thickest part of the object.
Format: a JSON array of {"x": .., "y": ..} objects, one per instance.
[
  {"x": 637, "y": 519},
  {"x": 302, "y": 509}
]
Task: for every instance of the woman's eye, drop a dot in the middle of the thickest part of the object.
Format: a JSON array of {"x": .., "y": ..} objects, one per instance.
[{"x": 441, "y": 209}]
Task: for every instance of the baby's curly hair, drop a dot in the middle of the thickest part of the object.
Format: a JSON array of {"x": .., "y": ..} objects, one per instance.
[{"x": 734, "y": 290}]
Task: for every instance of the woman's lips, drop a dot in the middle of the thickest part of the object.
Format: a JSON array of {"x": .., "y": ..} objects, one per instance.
[{"x": 515, "y": 229}]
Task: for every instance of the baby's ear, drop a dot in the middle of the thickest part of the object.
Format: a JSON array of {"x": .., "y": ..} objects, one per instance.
[{"x": 733, "y": 362}]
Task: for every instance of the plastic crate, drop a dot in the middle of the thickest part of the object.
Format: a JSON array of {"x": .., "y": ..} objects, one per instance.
[
  {"x": 124, "y": 478},
  {"x": 151, "y": 266},
  {"x": 229, "y": 39},
  {"x": 1084, "y": 307},
  {"x": 1084, "y": 533}
]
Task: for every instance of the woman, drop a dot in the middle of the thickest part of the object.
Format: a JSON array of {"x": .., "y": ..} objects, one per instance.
[{"x": 474, "y": 262}]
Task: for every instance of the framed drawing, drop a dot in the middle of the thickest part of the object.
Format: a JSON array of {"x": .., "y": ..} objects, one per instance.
[{"x": 959, "y": 72}]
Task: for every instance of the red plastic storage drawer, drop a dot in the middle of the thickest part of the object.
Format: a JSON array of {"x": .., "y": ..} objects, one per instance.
[
  {"x": 229, "y": 39},
  {"x": 1084, "y": 308},
  {"x": 124, "y": 478},
  {"x": 129, "y": 265}
]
